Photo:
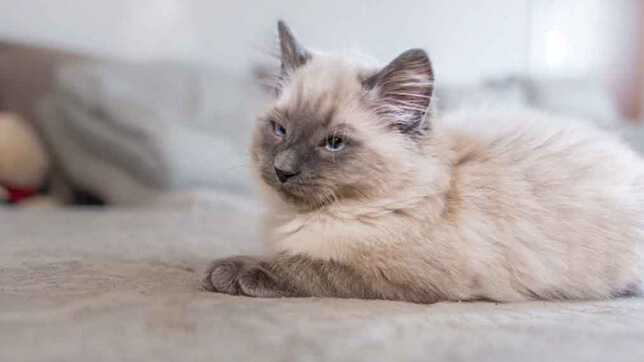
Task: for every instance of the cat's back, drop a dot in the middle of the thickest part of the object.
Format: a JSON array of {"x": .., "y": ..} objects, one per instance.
[
  {"x": 540, "y": 149},
  {"x": 561, "y": 197}
]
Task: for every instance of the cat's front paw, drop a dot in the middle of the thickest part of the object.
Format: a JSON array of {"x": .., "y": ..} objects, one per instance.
[{"x": 243, "y": 275}]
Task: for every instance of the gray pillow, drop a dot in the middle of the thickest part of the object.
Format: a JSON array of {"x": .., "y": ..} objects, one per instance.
[
  {"x": 150, "y": 128},
  {"x": 581, "y": 98},
  {"x": 508, "y": 93}
]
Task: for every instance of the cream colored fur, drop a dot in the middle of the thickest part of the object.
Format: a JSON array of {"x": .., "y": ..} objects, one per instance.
[{"x": 503, "y": 206}]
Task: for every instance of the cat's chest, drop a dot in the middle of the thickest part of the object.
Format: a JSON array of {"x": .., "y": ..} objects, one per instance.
[
  {"x": 340, "y": 238},
  {"x": 317, "y": 236}
]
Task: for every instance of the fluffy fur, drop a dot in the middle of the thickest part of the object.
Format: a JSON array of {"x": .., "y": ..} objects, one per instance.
[{"x": 499, "y": 206}]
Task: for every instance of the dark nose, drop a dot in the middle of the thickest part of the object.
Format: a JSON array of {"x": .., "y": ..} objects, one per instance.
[{"x": 284, "y": 175}]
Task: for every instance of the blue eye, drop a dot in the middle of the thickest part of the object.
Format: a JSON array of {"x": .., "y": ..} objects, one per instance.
[
  {"x": 278, "y": 129},
  {"x": 335, "y": 143}
]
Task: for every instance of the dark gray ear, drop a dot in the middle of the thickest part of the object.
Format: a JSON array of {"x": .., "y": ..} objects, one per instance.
[
  {"x": 292, "y": 54},
  {"x": 403, "y": 89}
]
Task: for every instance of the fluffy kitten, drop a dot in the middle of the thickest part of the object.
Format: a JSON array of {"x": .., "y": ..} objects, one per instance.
[{"x": 372, "y": 196}]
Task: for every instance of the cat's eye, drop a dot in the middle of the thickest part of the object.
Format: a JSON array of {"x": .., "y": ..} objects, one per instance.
[
  {"x": 279, "y": 130},
  {"x": 335, "y": 143}
]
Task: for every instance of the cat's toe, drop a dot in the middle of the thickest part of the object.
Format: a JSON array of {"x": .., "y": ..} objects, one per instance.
[
  {"x": 221, "y": 276},
  {"x": 255, "y": 281},
  {"x": 243, "y": 275}
]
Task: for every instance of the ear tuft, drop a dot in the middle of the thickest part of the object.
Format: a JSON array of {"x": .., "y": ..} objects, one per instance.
[
  {"x": 292, "y": 54},
  {"x": 403, "y": 89}
]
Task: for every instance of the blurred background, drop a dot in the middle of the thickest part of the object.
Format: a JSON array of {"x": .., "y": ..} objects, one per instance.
[{"x": 131, "y": 102}]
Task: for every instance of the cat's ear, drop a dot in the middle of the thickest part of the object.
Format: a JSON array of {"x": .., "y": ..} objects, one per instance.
[
  {"x": 292, "y": 54},
  {"x": 402, "y": 90}
]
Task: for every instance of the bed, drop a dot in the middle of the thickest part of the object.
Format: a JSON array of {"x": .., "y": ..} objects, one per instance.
[{"x": 123, "y": 284}]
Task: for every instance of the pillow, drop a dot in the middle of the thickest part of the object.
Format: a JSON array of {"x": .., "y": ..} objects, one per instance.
[
  {"x": 581, "y": 98},
  {"x": 127, "y": 132},
  {"x": 507, "y": 93}
]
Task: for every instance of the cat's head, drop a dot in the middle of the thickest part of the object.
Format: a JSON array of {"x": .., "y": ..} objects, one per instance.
[{"x": 338, "y": 129}]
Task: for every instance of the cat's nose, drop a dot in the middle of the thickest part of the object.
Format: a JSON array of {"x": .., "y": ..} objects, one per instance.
[
  {"x": 286, "y": 164},
  {"x": 283, "y": 175}
]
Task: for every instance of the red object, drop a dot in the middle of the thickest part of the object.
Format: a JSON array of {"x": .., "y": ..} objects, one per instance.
[{"x": 17, "y": 194}]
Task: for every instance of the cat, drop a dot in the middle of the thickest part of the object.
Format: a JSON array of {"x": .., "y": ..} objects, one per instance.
[{"x": 374, "y": 196}]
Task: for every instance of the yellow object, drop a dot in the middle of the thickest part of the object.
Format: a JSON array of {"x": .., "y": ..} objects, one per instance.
[{"x": 24, "y": 163}]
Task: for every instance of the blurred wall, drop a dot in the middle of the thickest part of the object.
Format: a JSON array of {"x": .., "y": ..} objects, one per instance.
[
  {"x": 466, "y": 39},
  {"x": 596, "y": 38}
]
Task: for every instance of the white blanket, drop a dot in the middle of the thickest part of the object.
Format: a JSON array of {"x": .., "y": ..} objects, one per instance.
[{"x": 123, "y": 285}]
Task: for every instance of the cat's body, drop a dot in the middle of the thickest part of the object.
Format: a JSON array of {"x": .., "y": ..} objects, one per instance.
[
  {"x": 499, "y": 206},
  {"x": 532, "y": 207}
]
